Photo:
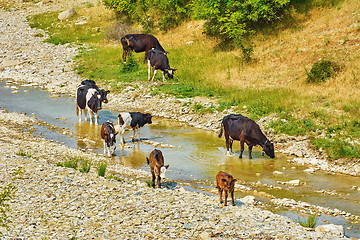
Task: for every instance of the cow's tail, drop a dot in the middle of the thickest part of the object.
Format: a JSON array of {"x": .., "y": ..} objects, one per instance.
[
  {"x": 221, "y": 129},
  {"x": 147, "y": 160}
]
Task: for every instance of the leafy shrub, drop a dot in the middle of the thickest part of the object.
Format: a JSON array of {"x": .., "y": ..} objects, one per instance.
[
  {"x": 321, "y": 71},
  {"x": 309, "y": 223},
  {"x": 233, "y": 19},
  {"x": 71, "y": 163}
]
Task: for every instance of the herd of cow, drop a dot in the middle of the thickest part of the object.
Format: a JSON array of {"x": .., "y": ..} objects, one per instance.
[{"x": 89, "y": 99}]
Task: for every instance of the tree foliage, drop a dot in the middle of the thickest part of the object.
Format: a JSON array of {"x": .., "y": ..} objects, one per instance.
[{"x": 229, "y": 19}]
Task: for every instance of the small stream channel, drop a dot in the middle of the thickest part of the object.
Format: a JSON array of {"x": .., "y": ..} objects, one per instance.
[{"x": 194, "y": 156}]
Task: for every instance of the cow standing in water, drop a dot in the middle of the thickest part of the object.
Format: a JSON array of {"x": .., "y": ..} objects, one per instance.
[
  {"x": 108, "y": 134},
  {"x": 139, "y": 43},
  {"x": 89, "y": 98},
  {"x": 225, "y": 182},
  {"x": 157, "y": 168},
  {"x": 134, "y": 120},
  {"x": 159, "y": 61},
  {"x": 243, "y": 129}
]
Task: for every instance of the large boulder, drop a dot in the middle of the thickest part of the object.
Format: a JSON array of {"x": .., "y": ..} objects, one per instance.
[
  {"x": 66, "y": 14},
  {"x": 331, "y": 228}
]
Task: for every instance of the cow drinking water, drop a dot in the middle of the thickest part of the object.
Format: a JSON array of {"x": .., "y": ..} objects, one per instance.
[
  {"x": 158, "y": 60},
  {"x": 157, "y": 168},
  {"x": 225, "y": 182},
  {"x": 89, "y": 98},
  {"x": 108, "y": 134},
  {"x": 139, "y": 43},
  {"x": 134, "y": 120},
  {"x": 243, "y": 129}
]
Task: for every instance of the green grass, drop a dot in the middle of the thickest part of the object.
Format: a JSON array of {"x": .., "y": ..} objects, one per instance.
[
  {"x": 85, "y": 166},
  {"x": 24, "y": 153},
  {"x": 310, "y": 222},
  {"x": 337, "y": 148},
  {"x": 101, "y": 169},
  {"x": 148, "y": 182}
]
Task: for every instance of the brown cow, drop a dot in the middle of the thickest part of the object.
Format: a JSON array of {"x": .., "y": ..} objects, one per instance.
[
  {"x": 245, "y": 130},
  {"x": 225, "y": 182},
  {"x": 139, "y": 43},
  {"x": 157, "y": 168},
  {"x": 109, "y": 135}
]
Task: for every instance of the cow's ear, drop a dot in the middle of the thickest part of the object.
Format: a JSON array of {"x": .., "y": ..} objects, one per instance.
[
  {"x": 116, "y": 133},
  {"x": 174, "y": 69},
  {"x": 234, "y": 180},
  {"x": 223, "y": 180},
  {"x": 108, "y": 91},
  {"x": 167, "y": 166}
]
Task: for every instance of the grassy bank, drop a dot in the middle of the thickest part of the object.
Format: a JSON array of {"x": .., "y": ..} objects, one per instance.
[{"x": 273, "y": 81}]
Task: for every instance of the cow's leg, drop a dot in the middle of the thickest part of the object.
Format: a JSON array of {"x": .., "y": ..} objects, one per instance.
[
  {"x": 226, "y": 196},
  {"x": 134, "y": 133},
  {"x": 85, "y": 115},
  {"x": 104, "y": 147},
  {"x": 122, "y": 131},
  {"x": 220, "y": 194},
  {"x": 159, "y": 181},
  {"x": 153, "y": 78},
  {"x": 153, "y": 179},
  {"x": 96, "y": 118},
  {"x": 231, "y": 143},
  {"x": 232, "y": 197},
  {"x": 163, "y": 73},
  {"x": 241, "y": 148},
  {"x": 91, "y": 116},
  {"x": 227, "y": 139},
  {"x": 250, "y": 150},
  {"x": 149, "y": 70}
]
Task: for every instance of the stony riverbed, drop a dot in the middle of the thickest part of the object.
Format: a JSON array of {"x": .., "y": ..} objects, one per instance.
[{"x": 56, "y": 202}]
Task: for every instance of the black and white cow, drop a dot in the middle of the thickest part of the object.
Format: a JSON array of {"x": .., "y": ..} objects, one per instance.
[
  {"x": 89, "y": 99},
  {"x": 158, "y": 60},
  {"x": 134, "y": 120},
  {"x": 108, "y": 134}
]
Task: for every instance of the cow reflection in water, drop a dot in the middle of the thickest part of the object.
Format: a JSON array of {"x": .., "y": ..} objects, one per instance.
[{"x": 88, "y": 136}]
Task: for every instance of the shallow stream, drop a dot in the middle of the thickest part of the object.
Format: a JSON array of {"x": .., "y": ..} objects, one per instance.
[{"x": 194, "y": 156}]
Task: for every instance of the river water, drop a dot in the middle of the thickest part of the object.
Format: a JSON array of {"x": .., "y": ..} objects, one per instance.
[{"x": 194, "y": 156}]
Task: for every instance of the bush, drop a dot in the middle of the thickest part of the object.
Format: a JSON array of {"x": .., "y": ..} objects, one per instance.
[{"x": 321, "y": 71}]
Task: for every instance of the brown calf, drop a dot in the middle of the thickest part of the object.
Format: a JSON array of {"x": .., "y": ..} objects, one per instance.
[
  {"x": 109, "y": 135},
  {"x": 225, "y": 182},
  {"x": 157, "y": 168}
]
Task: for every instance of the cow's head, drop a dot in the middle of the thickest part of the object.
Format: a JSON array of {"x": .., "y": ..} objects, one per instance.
[
  {"x": 170, "y": 72},
  {"x": 110, "y": 138},
  {"x": 161, "y": 170},
  {"x": 103, "y": 95},
  {"x": 148, "y": 118},
  {"x": 228, "y": 183},
  {"x": 268, "y": 148}
]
